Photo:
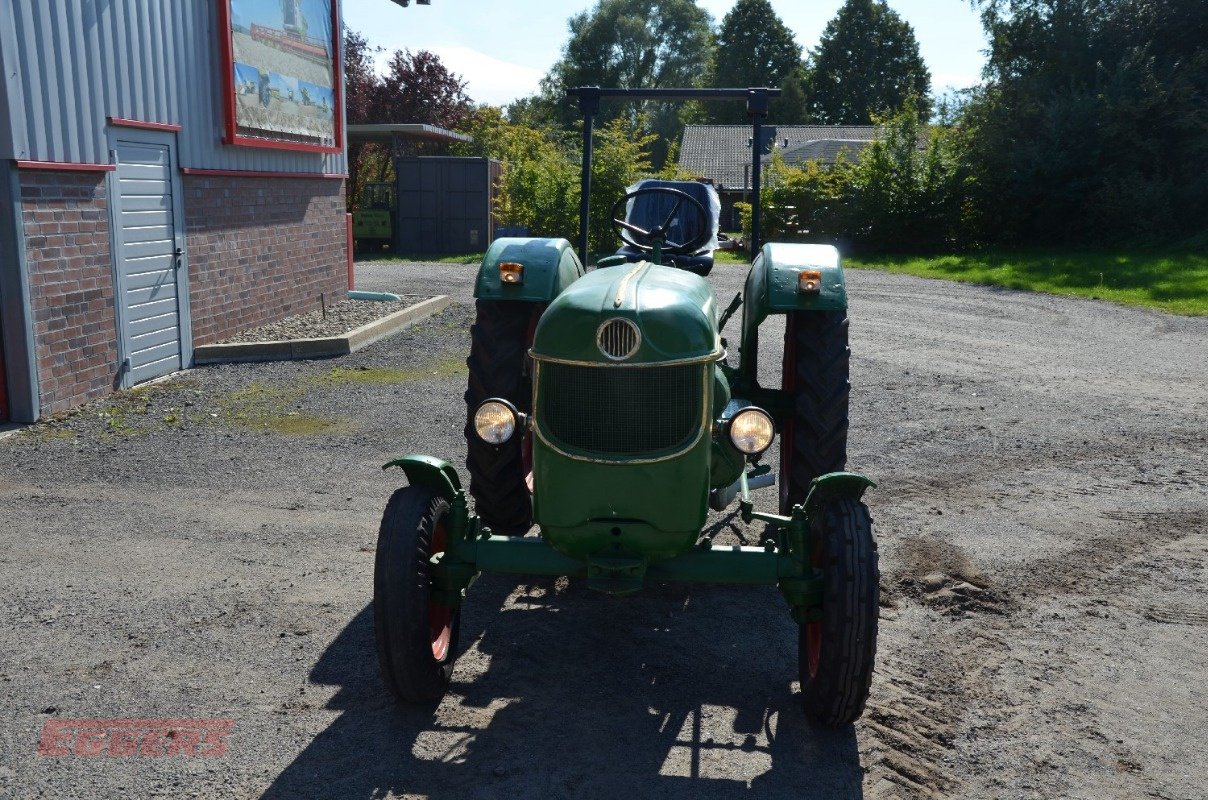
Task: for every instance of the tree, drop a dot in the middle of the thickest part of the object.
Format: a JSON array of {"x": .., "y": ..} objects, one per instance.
[
  {"x": 419, "y": 88},
  {"x": 633, "y": 44},
  {"x": 792, "y": 107},
  {"x": 415, "y": 88},
  {"x": 360, "y": 78},
  {"x": 539, "y": 185},
  {"x": 360, "y": 86},
  {"x": 755, "y": 48},
  {"x": 1092, "y": 126},
  {"x": 866, "y": 64}
]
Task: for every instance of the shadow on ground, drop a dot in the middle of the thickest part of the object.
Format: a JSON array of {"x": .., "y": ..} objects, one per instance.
[{"x": 668, "y": 694}]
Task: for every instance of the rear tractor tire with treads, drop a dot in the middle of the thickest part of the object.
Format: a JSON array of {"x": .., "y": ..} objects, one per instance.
[
  {"x": 814, "y": 375},
  {"x": 499, "y": 367}
]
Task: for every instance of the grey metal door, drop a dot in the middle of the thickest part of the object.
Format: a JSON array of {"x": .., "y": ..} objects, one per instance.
[
  {"x": 151, "y": 281},
  {"x": 444, "y": 204}
]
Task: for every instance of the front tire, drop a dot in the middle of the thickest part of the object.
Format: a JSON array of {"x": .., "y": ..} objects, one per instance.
[
  {"x": 814, "y": 374},
  {"x": 837, "y": 652},
  {"x": 416, "y": 636}
]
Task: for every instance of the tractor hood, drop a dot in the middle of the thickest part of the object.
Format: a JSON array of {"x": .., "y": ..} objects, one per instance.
[{"x": 673, "y": 310}]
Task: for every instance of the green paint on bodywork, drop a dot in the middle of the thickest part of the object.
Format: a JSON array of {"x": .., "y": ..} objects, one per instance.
[
  {"x": 653, "y": 510},
  {"x": 726, "y": 463},
  {"x": 434, "y": 473},
  {"x": 778, "y": 266},
  {"x": 771, "y": 288},
  {"x": 550, "y": 266},
  {"x": 674, "y": 310}
]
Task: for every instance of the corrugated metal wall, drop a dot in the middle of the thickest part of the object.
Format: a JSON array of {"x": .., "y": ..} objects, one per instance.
[{"x": 81, "y": 61}]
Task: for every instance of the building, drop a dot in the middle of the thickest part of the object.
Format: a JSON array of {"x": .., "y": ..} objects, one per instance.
[
  {"x": 171, "y": 172},
  {"x": 722, "y": 154}
]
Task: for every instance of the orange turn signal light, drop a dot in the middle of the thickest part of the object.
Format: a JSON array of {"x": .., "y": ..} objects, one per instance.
[
  {"x": 511, "y": 272},
  {"x": 809, "y": 281}
]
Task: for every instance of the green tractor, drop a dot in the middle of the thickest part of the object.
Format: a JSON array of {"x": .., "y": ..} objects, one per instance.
[{"x": 601, "y": 410}]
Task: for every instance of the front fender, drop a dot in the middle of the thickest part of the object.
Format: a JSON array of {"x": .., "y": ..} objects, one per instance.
[
  {"x": 432, "y": 473},
  {"x": 550, "y": 265},
  {"x": 835, "y": 486}
]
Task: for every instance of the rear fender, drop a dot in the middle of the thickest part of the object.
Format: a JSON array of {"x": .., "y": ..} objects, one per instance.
[
  {"x": 431, "y": 473},
  {"x": 772, "y": 289},
  {"x": 550, "y": 265}
]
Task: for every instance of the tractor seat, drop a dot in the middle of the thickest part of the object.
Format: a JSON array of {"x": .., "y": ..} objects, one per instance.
[{"x": 650, "y": 210}]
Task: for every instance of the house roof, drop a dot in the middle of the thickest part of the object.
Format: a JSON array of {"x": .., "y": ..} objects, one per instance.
[
  {"x": 720, "y": 152},
  {"x": 386, "y": 131},
  {"x": 825, "y": 151}
]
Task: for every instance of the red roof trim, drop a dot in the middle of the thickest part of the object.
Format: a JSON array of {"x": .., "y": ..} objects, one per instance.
[
  {"x": 149, "y": 126},
  {"x": 65, "y": 166},
  {"x": 247, "y": 173}
]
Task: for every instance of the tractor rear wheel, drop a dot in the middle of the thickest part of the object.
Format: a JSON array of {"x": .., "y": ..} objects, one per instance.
[
  {"x": 416, "y": 636},
  {"x": 499, "y": 367},
  {"x": 813, "y": 437},
  {"x": 836, "y": 653}
]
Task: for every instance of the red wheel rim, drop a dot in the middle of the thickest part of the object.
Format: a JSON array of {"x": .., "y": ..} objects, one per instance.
[
  {"x": 813, "y": 647},
  {"x": 440, "y": 616}
]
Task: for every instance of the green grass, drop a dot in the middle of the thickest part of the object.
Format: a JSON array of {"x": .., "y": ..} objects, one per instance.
[
  {"x": 1175, "y": 282},
  {"x": 343, "y": 376},
  {"x": 427, "y": 258},
  {"x": 731, "y": 257}
]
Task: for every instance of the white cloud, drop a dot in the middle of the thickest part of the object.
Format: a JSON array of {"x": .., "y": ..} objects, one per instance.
[
  {"x": 489, "y": 79},
  {"x": 942, "y": 81}
]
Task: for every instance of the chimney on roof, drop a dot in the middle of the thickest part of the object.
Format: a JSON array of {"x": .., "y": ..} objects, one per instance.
[{"x": 768, "y": 135}]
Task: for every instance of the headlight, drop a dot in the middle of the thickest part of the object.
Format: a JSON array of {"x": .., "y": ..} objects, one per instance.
[
  {"x": 495, "y": 421},
  {"x": 751, "y": 431}
]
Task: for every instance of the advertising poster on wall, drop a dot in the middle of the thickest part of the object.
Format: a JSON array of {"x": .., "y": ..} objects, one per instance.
[{"x": 284, "y": 72}]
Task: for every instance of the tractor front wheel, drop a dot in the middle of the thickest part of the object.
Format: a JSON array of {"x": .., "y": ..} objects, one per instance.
[
  {"x": 416, "y": 635},
  {"x": 836, "y": 652}
]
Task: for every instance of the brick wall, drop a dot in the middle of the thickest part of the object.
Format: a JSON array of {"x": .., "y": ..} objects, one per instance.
[
  {"x": 261, "y": 249},
  {"x": 66, "y": 221}
]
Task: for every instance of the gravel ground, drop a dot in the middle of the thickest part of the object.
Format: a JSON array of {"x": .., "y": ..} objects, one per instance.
[
  {"x": 203, "y": 548},
  {"x": 340, "y": 318}
]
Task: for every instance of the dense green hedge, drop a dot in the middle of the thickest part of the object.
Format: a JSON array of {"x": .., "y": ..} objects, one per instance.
[{"x": 907, "y": 192}]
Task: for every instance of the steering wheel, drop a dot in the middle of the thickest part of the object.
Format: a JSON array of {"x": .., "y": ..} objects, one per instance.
[{"x": 645, "y": 240}]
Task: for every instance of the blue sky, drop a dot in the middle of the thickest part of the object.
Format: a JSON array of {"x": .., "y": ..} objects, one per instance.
[{"x": 503, "y": 49}]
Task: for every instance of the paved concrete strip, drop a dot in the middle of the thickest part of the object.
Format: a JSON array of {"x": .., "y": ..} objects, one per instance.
[{"x": 323, "y": 347}]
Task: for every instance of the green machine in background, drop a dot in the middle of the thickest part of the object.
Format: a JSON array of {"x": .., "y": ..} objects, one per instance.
[
  {"x": 373, "y": 221},
  {"x": 602, "y": 410}
]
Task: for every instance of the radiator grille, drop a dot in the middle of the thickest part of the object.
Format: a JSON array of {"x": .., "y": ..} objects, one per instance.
[
  {"x": 618, "y": 339},
  {"x": 620, "y": 411}
]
